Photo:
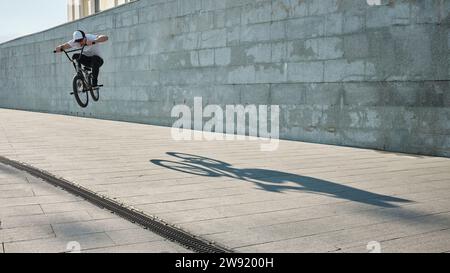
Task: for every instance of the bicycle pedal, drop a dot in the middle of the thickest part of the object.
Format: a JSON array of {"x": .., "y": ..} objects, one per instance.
[{"x": 97, "y": 87}]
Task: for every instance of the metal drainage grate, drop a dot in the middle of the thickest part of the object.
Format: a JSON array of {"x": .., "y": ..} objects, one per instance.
[{"x": 157, "y": 226}]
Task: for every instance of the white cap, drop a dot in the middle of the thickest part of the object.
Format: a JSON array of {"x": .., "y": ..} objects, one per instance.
[{"x": 77, "y": 35}]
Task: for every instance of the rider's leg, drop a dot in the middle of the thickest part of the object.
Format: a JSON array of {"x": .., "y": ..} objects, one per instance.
[
  {"x": 84, "y": 60},
  {"x": 97, "y": 62}
]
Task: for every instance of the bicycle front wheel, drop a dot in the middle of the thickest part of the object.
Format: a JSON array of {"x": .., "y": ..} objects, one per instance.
[{"x": 80, "y": 92}]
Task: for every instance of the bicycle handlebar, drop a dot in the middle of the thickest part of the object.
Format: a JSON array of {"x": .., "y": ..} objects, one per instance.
[{"x": 74, "y": 50}]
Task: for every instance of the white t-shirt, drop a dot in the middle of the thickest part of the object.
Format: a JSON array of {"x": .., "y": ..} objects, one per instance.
[{"x": 89, "y": 51}]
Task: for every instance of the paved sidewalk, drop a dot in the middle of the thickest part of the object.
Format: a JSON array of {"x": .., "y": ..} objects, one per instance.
[
  {"x": 301, "y": 198},
  {"x": 36, "y": 217}
]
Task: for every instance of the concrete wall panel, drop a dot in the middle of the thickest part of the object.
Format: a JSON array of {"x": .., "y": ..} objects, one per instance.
[{"x": 342, "y": 72}]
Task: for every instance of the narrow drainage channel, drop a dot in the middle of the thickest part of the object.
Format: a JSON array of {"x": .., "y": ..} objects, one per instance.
[{"x": 157, "y": 226}]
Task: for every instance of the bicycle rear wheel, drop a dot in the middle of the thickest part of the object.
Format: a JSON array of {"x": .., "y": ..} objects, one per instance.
[
  {"x": 95, "y": 93},
  {"x": 80, "y": 92}
]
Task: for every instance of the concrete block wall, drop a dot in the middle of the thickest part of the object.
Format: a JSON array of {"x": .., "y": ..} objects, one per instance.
[{"x": 343, "y": 72}]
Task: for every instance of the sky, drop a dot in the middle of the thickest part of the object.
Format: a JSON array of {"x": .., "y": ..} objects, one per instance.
[{"x": 22, "y": 17}]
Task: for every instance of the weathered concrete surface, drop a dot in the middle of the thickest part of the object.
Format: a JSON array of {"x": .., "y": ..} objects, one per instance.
[
  {"x": 343, "y": 72},
  {"x": 36, "y": 217},
  {"x": 301, "y": 198}
]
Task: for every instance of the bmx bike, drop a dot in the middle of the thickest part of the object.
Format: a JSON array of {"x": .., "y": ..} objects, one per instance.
[{"x": 82, "y": 81}]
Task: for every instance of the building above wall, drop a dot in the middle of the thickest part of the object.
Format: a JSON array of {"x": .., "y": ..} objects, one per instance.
[{"x": 77, "y": 9}]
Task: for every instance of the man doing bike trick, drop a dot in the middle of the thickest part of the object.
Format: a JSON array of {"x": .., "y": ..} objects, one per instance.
[{"x": 91, "y": 55}]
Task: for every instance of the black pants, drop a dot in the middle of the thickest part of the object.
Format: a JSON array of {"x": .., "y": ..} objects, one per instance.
[{"x": 94, "y": 62}]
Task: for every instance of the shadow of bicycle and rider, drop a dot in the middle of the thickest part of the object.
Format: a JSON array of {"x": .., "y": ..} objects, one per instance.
[{"x": 274, "y": 181}]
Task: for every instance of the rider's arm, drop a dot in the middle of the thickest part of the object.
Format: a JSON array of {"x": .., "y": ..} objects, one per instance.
[
  {"x": 62, "y": 47},
  {"x": 101, "y": 39}
]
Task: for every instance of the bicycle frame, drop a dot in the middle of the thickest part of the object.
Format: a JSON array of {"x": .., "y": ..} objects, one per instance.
[
  {"x": 78, "y": 69},
  {"x": 71, "y": 59}
]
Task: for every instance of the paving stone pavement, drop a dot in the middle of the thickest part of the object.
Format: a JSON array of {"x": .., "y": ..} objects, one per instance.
[
  {"x": 302, "y": 197},
  {"x": 36, "y": 217}
]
